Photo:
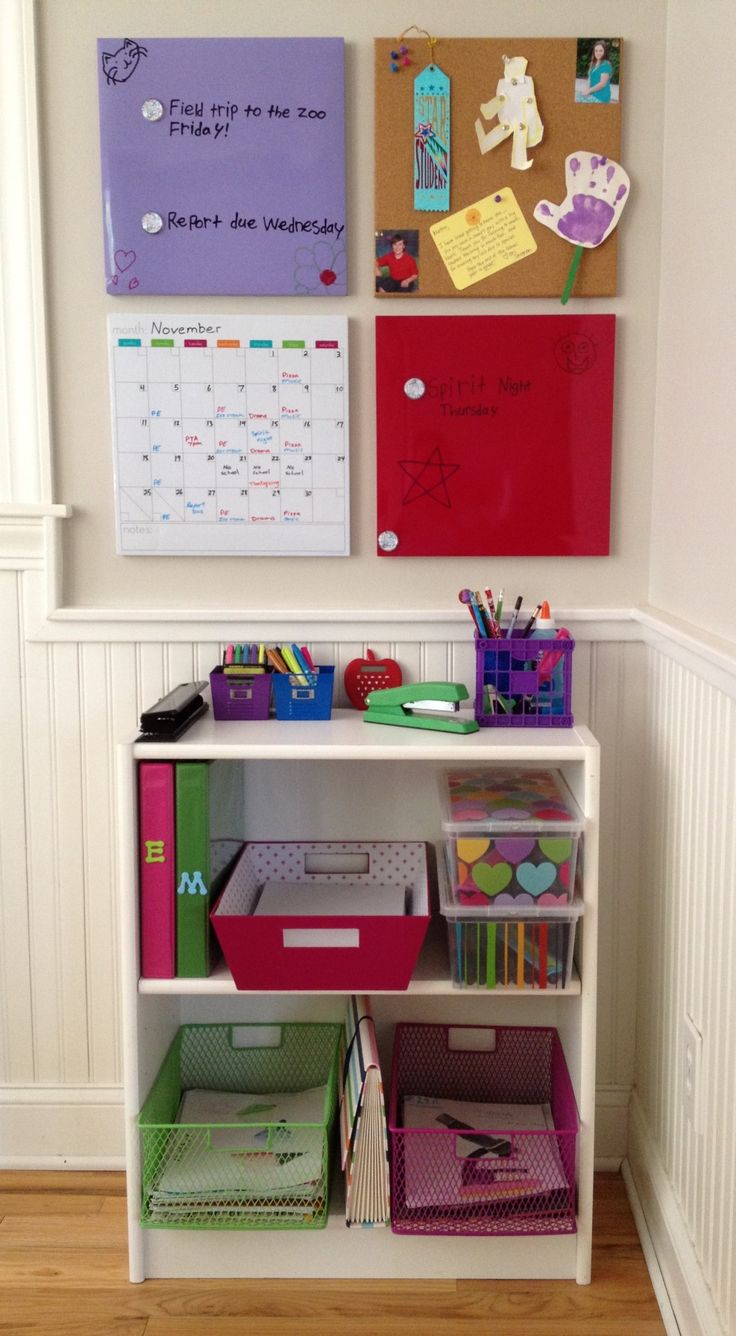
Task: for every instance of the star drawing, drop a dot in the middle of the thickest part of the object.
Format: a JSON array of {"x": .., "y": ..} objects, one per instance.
[{"x": 428, "y": 477}]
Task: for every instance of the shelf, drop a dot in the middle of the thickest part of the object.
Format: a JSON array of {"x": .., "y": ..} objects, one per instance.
[
  {"x": 347, "y": 736},
  {"x": 431, "y": 979}
]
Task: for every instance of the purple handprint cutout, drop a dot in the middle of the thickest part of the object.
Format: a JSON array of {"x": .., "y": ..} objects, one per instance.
[{"x": 585, "y": 218}]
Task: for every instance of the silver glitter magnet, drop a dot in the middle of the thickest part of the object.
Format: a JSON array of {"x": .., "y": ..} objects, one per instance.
[
  {"x": 388, "y": 541},
  {"x": 152, "y": 109},
  {"x": 152, "y": 222},
  {"x": 414, "y": 388}
]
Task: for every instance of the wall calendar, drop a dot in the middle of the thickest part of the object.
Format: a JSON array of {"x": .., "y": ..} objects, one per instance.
[{"x": 230, "y": 435}]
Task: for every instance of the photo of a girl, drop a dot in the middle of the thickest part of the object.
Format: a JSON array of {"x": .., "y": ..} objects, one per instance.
[{"x": 597, "y": 78}]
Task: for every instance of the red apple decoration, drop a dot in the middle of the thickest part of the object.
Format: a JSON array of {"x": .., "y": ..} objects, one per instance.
[{"x": 370, "y": 674}]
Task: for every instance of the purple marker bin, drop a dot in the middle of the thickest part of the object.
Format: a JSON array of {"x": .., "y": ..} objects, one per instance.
[
  {"x": 515, "y": 1174},
  {"x": 240, "y": 697},
  {"x": 523, "y": 683}
]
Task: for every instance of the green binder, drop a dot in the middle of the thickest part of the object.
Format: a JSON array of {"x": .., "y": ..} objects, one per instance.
[{"x": 192, "y": 869}]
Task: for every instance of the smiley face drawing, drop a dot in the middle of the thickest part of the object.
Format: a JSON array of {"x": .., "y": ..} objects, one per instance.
[{"x": 575, "y": 353}]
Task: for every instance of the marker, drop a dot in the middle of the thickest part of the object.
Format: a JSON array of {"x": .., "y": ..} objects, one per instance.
[
  {"x": 530, "y": 624},
  {"x": 514, "y": 616},
  {"x": 238, "y": 656},
  {"x": 275, "y": 659},
  {"x": 293, "y": 665},
  {"x": 229, "y": 654},
  {"x": 301, "y": 661}
]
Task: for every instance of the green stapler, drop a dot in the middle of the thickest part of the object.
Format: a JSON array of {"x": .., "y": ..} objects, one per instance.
[{"x": 420, "y": 705}]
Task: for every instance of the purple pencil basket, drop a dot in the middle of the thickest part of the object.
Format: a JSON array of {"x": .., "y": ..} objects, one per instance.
[{"x": 523, "y": 683}]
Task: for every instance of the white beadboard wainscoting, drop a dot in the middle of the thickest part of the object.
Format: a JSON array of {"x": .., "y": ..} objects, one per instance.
[
  {"x": 684, "y": 1162},
  {"x": 659, "y": 698}
]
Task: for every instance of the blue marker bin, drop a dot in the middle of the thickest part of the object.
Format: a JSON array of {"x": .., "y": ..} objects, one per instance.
[{"x": 303, "y": 695}]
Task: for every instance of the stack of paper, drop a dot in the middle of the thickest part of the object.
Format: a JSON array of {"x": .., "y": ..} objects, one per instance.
[
  {"x": 512, "y": 1157},
  {"x": 363, "y": 1132},
  {"x": 243, "y": 1155},
  {"x": 315, "y": 899}
]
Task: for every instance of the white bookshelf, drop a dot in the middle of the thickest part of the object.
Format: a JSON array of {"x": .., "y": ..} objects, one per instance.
[{"x": 345, "y": 779}]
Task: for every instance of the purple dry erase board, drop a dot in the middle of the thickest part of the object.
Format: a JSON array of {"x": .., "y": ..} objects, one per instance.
[{"x": 233, "y": 150}]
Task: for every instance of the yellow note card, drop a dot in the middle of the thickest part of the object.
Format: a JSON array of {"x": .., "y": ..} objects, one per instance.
[{"x": 483, "y": 238}]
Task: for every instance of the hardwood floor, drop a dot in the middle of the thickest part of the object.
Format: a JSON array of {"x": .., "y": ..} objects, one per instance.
[{"x": 63, "y": 1270}]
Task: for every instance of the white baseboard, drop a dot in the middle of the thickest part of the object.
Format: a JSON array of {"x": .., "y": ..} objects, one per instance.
[
  {"x": 60, "y": 1127},
  {"x": 682, "y": 1277},
  {"x": 669, "y": 1320}
]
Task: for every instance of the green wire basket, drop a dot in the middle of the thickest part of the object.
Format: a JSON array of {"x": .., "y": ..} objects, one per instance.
[{"x": 248, "y": 1165}]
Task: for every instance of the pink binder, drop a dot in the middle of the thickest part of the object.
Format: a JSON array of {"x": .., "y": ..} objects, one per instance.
[{"x": 157, "y": 859}]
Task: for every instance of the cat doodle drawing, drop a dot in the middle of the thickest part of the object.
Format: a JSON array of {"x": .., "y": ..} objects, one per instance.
[{"x": 117, "y": 66}]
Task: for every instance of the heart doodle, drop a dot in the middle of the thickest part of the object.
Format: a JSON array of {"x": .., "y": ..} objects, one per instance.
[{"x": 124, "y": 259}]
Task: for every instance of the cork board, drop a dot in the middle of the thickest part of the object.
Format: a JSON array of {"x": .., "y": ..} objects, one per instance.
[{"x": 475, "y": 66}]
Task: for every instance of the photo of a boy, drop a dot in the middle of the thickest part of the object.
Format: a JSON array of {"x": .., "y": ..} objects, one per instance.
[{"x": 396, "y": 263}]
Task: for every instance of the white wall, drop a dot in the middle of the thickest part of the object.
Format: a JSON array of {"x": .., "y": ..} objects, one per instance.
[
  {"x": 693, "y": 542},
  {"x": 78, "y": 304}
]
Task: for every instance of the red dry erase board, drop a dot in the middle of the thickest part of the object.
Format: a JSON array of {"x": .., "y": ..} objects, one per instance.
[{"x": 494, "y": 435}]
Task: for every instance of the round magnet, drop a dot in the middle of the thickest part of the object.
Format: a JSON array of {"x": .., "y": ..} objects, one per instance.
[
  {"x": 388, "y": 541},
  {"x": 152, "y": 109},
  {"x": 152, "y": 222},
  {"x": 414, "y": 388}
]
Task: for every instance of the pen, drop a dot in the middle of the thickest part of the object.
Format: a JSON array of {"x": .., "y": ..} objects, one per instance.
[
  {"x": 528, "y": 628},
  {"x": 499, "y": 610},
  {"x": 514, "y": 616}
]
